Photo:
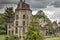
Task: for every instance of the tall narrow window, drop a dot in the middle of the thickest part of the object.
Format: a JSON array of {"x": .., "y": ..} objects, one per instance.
[
  {"x": 20, "y": 36},
  {"x": 17, "y": 17},
  {"x": 23, "y": 16},
  {"x": 12, "y": 32},
  {"x": 16, "y": 30},
  {"x": 23, "y": 23},
  {"x": 9, "y": 32},
  {"x": 23, "y": 29},
  {"x": 16, "y": 23}
]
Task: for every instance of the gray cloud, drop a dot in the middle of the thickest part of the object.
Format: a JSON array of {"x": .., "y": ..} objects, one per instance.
[
  {"x": 39, "y": 3},
  {"x": 8, "y": 1},
  {"x": 34, "y": 3},
  {"x": 53, "y": 13},
  {"x": 56, "y": 3},
  {"x": 1, "y": 6}
]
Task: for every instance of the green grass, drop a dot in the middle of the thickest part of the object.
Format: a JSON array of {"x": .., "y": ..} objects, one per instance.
[
  {"x": 2, "y": 37},
  {"x": 54, "y": 38}
]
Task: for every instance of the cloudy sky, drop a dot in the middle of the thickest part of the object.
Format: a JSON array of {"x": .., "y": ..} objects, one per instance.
[{"x": 50, "y": 7}]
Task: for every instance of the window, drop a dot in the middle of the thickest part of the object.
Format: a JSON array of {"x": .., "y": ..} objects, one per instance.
[
  {"x": 23, "y": 16},
  {"x": 24, "y": 29},
  {"x": 9, "y": 32},
  {"x": 16, "y": 30},
  {"x": 23, "y": 23},
  {"x": 17, "y": 17},
  {"x": 16, "y": 23},
  {"x": 12, "y": 32},
  {"x": 20, "y": 36}
]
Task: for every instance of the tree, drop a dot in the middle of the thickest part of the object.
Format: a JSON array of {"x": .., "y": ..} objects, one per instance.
[
  {"x": 34, "y": 32},
  {"x": 2, "y": 24},
  {"x": 12, "y": 37},
  {"x": 41, "y": 14},
  {"x": 9, "y": 15}
]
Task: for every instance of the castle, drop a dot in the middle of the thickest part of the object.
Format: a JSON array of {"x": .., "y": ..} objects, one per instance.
[{"x": 22, "y": 19}]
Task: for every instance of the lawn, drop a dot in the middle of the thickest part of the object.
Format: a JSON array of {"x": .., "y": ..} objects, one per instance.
[
  {"x": 54, "y": 38},
  {"x": 2, "y": 37}
]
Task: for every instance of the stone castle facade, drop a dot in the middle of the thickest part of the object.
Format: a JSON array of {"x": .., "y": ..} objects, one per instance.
[{"x": 22, "y": 19}]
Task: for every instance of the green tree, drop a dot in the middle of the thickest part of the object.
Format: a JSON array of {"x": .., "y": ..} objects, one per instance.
[
  {"x": 12, "y": 37},
  {"x": 9, "y": 15},
  {"x": 34, "y": 32},
  {"x": 41, "y": 14},
  {"x": 2, "y": 24}
]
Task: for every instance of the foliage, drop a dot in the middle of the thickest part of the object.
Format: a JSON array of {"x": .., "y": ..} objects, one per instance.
[
  {"x": 9, "y": 15},
  {"x": 12, "y": 37},
  {"x": 34, "y": 32},
  {"x": 2, "y": 25},
  {"x": 41, "y": 14},
  {"x": 5, "y": 18}
]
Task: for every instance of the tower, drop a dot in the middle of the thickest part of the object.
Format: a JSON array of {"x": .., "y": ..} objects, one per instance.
[{"x": 22, "y": 19}]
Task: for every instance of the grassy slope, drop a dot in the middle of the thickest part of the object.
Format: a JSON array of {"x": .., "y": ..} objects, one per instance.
[
  {"x": 55, "y": 38},
  {"x": 2, "y": 37}
]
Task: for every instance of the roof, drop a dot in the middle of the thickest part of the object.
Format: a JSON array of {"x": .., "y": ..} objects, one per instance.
[{"x": 24, "y": 6}]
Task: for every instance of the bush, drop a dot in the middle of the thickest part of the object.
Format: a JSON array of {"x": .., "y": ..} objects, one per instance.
[{"x": 12, "y": 37}]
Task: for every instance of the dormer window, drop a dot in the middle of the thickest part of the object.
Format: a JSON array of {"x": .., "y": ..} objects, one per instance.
[{"x": 23, "y": 16}]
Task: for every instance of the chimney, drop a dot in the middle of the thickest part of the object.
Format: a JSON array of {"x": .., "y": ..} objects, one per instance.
[{"x": 21, "y": 3}]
